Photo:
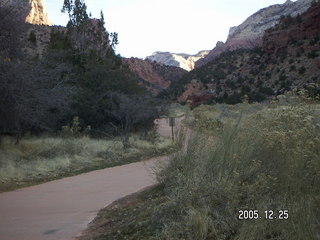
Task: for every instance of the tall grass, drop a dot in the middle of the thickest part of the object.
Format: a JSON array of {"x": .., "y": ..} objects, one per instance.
[
  {"x": 44, "y": 158},
  {"x": 245, "y": 157}
]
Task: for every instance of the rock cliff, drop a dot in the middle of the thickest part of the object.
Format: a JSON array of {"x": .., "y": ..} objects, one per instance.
[
  {"x": 289, "y": 58},
  {"x": 182, "y": 60},
  {"x": 30, "y": 11},
  {"x": 155, "y": 76},
  {"x": 293, "y": 30},
  {"x": 249, "y": 34}
]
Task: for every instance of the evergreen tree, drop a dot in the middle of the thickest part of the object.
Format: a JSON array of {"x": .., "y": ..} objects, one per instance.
[
  {"x": 114, "y": 40},
  {"x": 77, "y": 11},
  {"x": 102, "y": 18}
]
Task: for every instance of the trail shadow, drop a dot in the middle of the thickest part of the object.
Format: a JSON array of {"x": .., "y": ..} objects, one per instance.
[{"x": 49, "y": 232}]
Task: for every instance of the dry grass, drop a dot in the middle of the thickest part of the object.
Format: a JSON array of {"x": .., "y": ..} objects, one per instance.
[
  {"x": 245, "y": 157},
  {"x": 258, "y": 157},
  {"x": 38, "y": 159},
  {"x": 128, "y": 218}
]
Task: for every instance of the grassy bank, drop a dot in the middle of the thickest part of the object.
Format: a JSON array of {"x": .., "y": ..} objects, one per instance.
[
  {"x": 39, "y": 159},
  {"x": 246, "y": 157},
  {"x": 243, "y": 157}
]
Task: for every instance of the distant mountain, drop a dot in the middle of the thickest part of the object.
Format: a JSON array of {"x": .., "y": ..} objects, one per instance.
[
  {"x": 155, "y": 76},
  {"x": 287, "y": 59},
  {"x": 182, "y": 60},
  {"x": 249, "y": 34}
]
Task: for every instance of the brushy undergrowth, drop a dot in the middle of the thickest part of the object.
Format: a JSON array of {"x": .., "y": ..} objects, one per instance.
[
  {"x": 39, "y": 159},
  {"x": 127, "y": 218},
  {"x": 245, "y": 157}
]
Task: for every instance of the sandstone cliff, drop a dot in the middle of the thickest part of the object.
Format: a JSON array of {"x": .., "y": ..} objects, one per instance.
[
  {"x": 249, "y": 34},
  {"x": 182, "y": 60},
  {"x": 293, "y": 30},
  {"x": 30, "y": 11},
  {"x": 155, "y": 76},
  {"x": 289, "y": 58}
]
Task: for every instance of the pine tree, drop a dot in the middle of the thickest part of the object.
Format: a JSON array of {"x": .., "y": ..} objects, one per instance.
[
  {"x": 114, "y": 40},
  {"x": 102, "y": 18},
  {"x": 77, "y": 11}
]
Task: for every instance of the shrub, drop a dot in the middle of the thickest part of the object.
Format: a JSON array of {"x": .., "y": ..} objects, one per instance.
[
  {"x": 282, "y": 77},
  {"x": 313, "y": 54},
  {"x": 266, "y": 90},
  {"x": 292, "y": 68},
  {"x": 32, "y": 38},
  {"x": 74, "y": 129},
  {"x": 264, "y": 159},
  {"x": 302, "y": 70},
  {"x": 298, "y": 54},
  {"x": 268, "y": 74},
  {"x": 314, "y": 40}
]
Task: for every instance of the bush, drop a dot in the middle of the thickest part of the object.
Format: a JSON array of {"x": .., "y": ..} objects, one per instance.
[
  {"x": 264, "y": 159},
  {"x": 314, "y": 41},
  {"x": 74, "y": 129},
  {"x": 302, "y": 70},
  {"x": 282, "y": 77},
  {"x": 292, "y": 68},
  {"x": 313, "y": 54},
  {"x": 32, "y": 38}
]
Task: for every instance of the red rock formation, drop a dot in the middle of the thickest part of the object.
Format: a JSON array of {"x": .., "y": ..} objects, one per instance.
[
  {"x": 156, "y": 75},
  {"x": 230, "y": 45},
  {"x": 293, "y": 29},
  {"x": 193, "y": 88},
  {"x": 249, "y": 34},
  {"x": 289, "y": 59}
]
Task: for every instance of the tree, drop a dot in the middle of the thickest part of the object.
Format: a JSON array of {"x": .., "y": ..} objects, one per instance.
[
  {"x": 102, "y": 18},
  {"x": 9, "y": 29},
  {"x": 33, "y": 96},
  {"x": 9, "y": 67},
  {"x": 130, "y": 111},
  {"x": 113, "y": 35},
  {"x": 77, "y": 10},
  {"x": 114, "y": 40}
]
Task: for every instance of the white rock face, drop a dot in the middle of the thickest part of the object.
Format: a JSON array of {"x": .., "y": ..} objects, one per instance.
[
  {"x": 182, "y": 60},
  {"x": 30, "y": 11},
  {"x": 250, "y": 33},
  {"x": 256, "y": 25},
  {"x": 39, "y": 13}
]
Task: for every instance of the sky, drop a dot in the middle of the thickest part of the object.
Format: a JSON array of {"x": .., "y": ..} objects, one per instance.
[{"x": 178, "y": 26}]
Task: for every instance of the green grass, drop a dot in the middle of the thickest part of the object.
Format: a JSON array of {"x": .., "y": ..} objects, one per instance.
[
  {"x": 243, "y": 157},
  {"x": 40, "y": 159}
]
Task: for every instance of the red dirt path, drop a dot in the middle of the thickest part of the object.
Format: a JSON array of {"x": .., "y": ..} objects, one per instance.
[{"x": 61, "y": 209}]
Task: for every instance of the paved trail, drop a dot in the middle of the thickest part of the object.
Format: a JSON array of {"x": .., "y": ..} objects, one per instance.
[{"x": 61, "y": 209}]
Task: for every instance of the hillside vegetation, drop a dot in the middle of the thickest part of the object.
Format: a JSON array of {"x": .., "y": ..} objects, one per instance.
[
  {"x": 68, "y": 103},
  {"x": 261, "y": 157},
  {"x": 77, "y": 74},
  {"x": 288, "y": 58},
  {"x": 245, "y": 157}
]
